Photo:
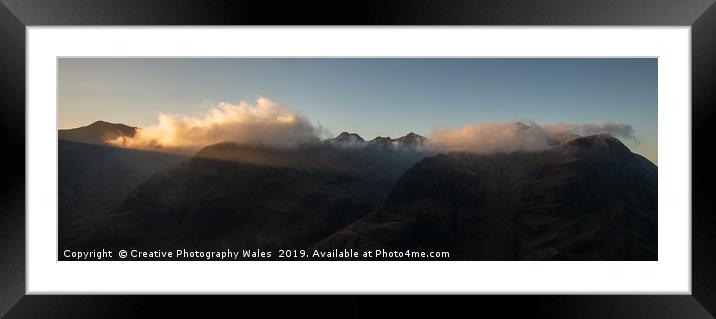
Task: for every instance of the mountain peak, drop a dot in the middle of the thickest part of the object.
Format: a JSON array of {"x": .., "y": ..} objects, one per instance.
[
  {"x": 346, "y": 138},
  {"x": 381, "y": 139},
  {"x": 410, "y": 140},
  {"x": 97, "y": 133},
  {"x": 596, "y": 140},
  {"x": 101, "y": 123},
  {"x": 349, "y": 135},
  {"x": 602, "y": 143},
  {"x": 381, "y": 142}
]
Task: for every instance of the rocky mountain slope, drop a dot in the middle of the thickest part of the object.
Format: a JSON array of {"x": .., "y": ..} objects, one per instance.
[
  {"x": 97, "y": 133},
  {"x": 230, "y": 195},
  {"x": 585, "y": 198},
  {"x": 588, "y": 199}
]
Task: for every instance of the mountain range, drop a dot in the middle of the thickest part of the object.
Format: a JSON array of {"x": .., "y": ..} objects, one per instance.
[
  {"x": 409, "y": 141},
  {"x": 586, "y": 198}
]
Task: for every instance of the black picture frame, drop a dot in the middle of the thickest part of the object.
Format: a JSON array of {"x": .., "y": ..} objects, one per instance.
[{"x": 16, "y": 15}]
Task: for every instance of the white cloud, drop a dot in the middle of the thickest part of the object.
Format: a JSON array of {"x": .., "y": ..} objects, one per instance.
[{"x": 264, "y": 123}]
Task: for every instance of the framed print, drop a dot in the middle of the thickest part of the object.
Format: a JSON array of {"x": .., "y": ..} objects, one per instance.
[{"x": 544, "y": 153}]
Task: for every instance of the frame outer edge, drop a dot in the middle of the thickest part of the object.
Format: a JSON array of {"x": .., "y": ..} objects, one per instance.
[
  {"x": 12, "y": 130},
  {"x": 703, "y": 81},
  {"x": 366, "y": 12},
  {"x": 12, "y": 197}
]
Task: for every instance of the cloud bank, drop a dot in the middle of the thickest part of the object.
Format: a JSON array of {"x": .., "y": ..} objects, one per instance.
[
  {"x": 269, "y": 123},
  {"x": 263, "y": 123},
  {"x": 495, "y": 137}
]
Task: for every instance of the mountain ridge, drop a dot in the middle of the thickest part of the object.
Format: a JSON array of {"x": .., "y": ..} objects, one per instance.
[
  {"x": 252, "y": 196},
  {"x": 408, "y": 141},
  {"x": 99, "y": 132},
  {"x": 592, "y": 199},
  {"x": 589, "y": 198}
]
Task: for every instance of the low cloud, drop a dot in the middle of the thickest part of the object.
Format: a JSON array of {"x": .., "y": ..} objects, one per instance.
[
  {"x": 495, "y": 137},
  {"x": 264, "y": 123},
  {"x": 269, "y": 123},
  {"x": 623, "y": 131}
]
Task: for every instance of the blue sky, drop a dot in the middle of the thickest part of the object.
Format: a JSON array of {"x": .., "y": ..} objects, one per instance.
[{"x": 386, "y": 97}]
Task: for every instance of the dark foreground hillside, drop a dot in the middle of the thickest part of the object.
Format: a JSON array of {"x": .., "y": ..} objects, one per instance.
[
  {"x": 94, "y": 178},
  {"x": 589, "y": 199},
  {"x": 231, "y": 196}
]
